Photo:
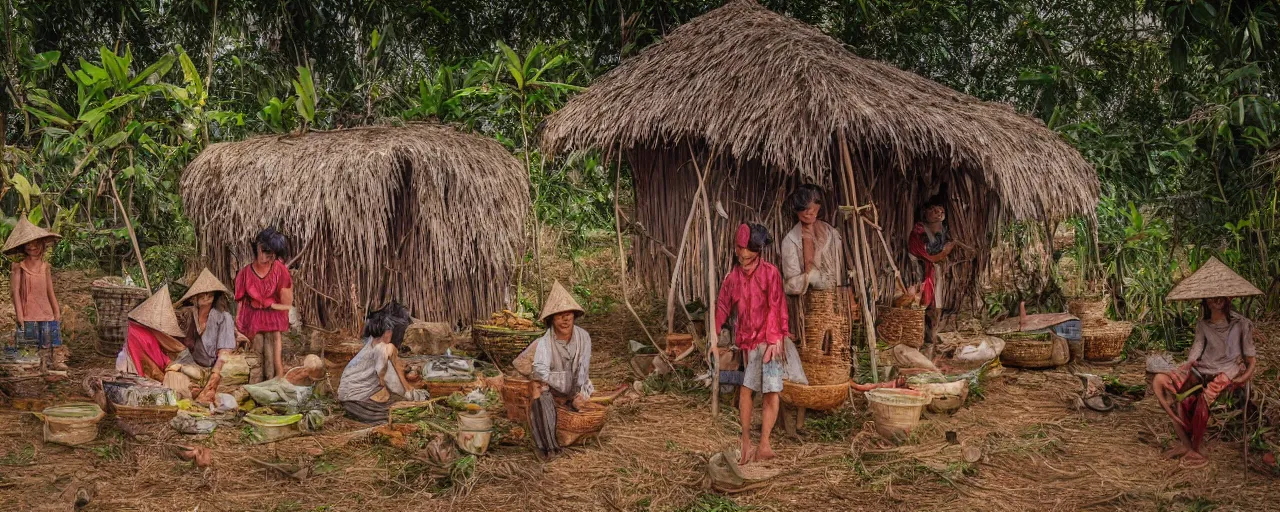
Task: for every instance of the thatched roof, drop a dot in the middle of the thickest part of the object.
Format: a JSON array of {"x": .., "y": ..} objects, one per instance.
[
  {"x": 757, "y": 86},
  {"x": 422, "y": 214}
]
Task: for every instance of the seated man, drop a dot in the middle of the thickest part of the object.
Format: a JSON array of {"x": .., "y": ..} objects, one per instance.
[
  {"x": 374, "y": 379},
  {"x": 1222, "y": 358},
  {"x": 561, "y": 361}
]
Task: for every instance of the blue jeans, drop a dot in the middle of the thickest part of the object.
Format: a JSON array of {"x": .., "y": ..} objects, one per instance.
[{"x": 39, "y": 334}]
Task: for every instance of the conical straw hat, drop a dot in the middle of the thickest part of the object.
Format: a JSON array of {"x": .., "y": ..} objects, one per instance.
[
  {"x": 24, "y": 233},
  {"x": 157, "y": 313},
  {"x": 204, "y": 283},
  {"x": 1213, "y": 279},
  {"x": 558, "y": 302}
]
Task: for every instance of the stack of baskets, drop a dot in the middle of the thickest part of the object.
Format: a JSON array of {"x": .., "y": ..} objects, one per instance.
[
  {"x": 113, "y": 300},
  {"x": 501, "y": 344},
  {"x": 572, "y": 426},
  {"x": 1102, "y": 339},
  {"x": 903, "y": 326},
  {"x": 825, "y": 353}
]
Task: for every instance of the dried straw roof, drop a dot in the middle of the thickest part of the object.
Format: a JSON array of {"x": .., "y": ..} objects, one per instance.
[
  {"x": 422, "y": 214},
  {"x": 758, "y": 86}
]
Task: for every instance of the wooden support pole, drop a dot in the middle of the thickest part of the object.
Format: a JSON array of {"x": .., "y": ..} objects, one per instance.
[
  {"x": 680, "y": 251},
  {"x": 622, "y": 257},
  {"x": 133, "y": 238},
  {"x": 713, "y": 331},
  {"x": 868, "y": 319}
]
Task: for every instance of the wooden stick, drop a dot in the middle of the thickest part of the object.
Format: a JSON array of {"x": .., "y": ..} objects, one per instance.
[
  {"x": 868, "y": 319},
  {"x": 888, "y": 255},
  {"x": 133, "y": 238},
  {"x": 713, "y": 331},
  {"x": 675, "y": 271}
]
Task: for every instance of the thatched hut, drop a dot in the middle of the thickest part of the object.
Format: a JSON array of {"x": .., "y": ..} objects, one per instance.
[
  {"x": 422, "y": 214},
  {"x": 765, "y": 102}
]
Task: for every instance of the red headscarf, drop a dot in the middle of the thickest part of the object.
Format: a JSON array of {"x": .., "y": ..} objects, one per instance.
[{"x": 743, "y": 237}]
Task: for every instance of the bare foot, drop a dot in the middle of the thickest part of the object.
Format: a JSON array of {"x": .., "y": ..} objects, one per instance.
[
  {"x": 764, "y": 452},
  {"x": 1178, "y": 450},
  {"x": 746, "y": 454}
]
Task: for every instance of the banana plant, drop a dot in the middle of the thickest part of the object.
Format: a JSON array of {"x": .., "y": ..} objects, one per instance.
[{"x": 306, "y": 103}]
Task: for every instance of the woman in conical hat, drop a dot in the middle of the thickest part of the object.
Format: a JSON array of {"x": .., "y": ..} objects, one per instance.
[
  {"x": 1222, "y": 357},
  {"x": 209, "y": 328},
  {"x": 561, "y": 361},
  {"x": 35, "y": 306},
  {"x": 151, "y": 341}
]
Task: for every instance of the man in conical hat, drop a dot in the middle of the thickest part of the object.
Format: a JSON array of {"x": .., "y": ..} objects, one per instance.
[
  {"x": 35, "y": 306},
  {"x": 151, "y": 342},
  {"x": 209, "y": 329},
  {"x": 561, "y": 361},
  {"x": 1223, "y": 356}
]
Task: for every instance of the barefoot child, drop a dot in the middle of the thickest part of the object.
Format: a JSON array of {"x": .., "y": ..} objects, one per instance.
[
  {"x": 754, "y": 289},
  {"x": 36, "y": 310}
]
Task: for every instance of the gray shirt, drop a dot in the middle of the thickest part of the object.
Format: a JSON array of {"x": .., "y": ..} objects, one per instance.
[
  {"x": 365, "y": 374},
  {"x": 1221, "y": 348},
  {"x": 828, "y": 260},
  {"x": 563, "y": 365},
  {"x": 219, "y": 334}
]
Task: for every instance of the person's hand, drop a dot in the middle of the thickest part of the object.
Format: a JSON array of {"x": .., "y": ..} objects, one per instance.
[
  {"x": 772, "y": 351},
  {"x": 580, "y": 401},
  {"x": 1242, "y": 380}
]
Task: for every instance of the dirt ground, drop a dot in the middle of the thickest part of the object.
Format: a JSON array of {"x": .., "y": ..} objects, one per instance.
[{"x": 1038, "y": 452}]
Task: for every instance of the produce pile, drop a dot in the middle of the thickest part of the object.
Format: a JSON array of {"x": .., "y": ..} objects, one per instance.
[{"x": 515, "y": 321}]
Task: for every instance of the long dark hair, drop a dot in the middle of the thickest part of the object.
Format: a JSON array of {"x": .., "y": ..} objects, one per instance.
[
  {"x": 1207, "y": 312},
  {"x": 804, "y": 196},
  {"x": 270, "y": 241},
  {"x": 220, "y": 303},
  {"x": 760, "y": 238},
  {"x": 391, "y": 317}
]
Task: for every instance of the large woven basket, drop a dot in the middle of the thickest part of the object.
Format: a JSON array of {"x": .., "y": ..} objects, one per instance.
[
  {"x": 1090, "y": 310},
  {"x": 1105, "y": 342},
  {"x": 113, "y": 301},
  {"x": 896, "y": 411},
  {"x": 1027, "y": 350},
  {"x": 501, "y": 344},
  {"x": 818, "y": 398},
  {"x": 574, "y": 425},
  {"x": 517, "y": 395},
  {"x": 824, "y": 370},
  {"x": 901, "y": 326},
  {"x": 144, "y": 414}
]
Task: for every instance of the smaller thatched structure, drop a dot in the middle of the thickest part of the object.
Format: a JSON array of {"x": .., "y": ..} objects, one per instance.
[{"x": 422, "y": 214}]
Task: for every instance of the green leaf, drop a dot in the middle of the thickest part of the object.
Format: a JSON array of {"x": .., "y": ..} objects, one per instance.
[
  {"x": 114, "y": 66},
  {"x": 191, "y": 76},
  {"x": 43, "y": 61},
  {"x": 375, "y": 39},
  {"x": 513, "y": 65},
  {"x": 306, "y": 89},
  {"x": 159, "y": 68},
  {"x": 115, "y": 139},
  {"x": 37, "y": 215},
  {"x": 1248, "y": 71}
]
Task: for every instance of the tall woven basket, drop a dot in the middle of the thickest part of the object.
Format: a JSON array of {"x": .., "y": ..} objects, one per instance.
[
  {"x": 901, "y": 326},
  {"x": 517, "y": 395},
  {"x": 1105, "y": 342},
  {"x": 114, "y": 300},
  {"x": 1090, "y": 310},
  {"x": 501, "y": 344}
]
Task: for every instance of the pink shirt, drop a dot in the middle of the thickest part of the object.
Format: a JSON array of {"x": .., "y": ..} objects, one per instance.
[{"x": 761, "y": 306}]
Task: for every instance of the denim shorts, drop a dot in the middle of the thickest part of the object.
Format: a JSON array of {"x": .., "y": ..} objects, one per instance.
[{"x": 39, "y": 334}]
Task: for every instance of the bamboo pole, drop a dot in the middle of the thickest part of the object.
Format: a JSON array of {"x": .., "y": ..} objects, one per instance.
[
  {"x": 868, "y": 319},
  {"x": 133, "y": 237},
  {"x": 675, "y": 271},
  {"x": 713, "y": 331}
]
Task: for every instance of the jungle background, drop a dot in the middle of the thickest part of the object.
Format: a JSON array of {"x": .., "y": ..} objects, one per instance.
[{"x": 105, "y": 102}]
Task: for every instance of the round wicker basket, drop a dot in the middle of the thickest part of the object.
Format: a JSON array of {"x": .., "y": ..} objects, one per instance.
[
  {"x": 572, "y": 426},
  {"x": 1105, "y": 342},
  {"x": 896, "y": 411},
  {"x": 901, "y": 326},
  {"x": 113, "y": 301},
  {"x": 72, "y": 423},
  {"x": 1027, "y": 350},
  {"x": 1090, "y": 310},
  {"x": 818, "y": 398},
  {"x": 501, "y": 344},
  {"x": 439, "y": 388}
]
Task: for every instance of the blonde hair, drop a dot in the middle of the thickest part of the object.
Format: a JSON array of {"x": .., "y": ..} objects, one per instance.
[{"x": 313, "y": 362}]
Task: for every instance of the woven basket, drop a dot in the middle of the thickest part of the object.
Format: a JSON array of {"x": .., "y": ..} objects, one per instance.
[
  {"x": 113, "y": 301},
  {"x": 678, "y": 343},
  {"x": 1027, "y": 350},
  {"x": 1090, "y": 310},
  {"x": 71, "y": 424},
  {"x": 901, "y": 326},
  {"x": 517, "y": 396},
  {"x": 501, "y": 344},
  {"x": 896, "y": 411},
  {"x": 147, "y": 414},
  {"x": 439, "y": 388},
  {"x": 1105, "y": 342},
  {"x": 574, "y": 425},
  {"x": 818, "y": 398}
]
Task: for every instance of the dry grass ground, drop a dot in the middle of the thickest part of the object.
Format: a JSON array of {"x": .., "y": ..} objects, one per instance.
[{"x": 1038, "y": 453}]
